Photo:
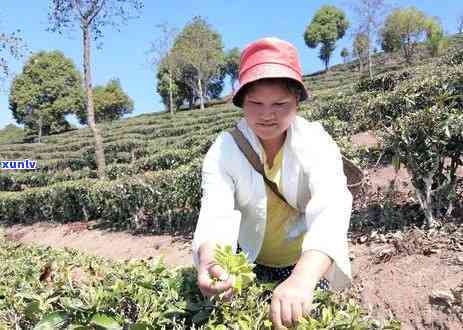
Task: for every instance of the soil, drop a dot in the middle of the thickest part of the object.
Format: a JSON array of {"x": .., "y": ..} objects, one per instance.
[
  {"x": 176, "y": 251},
  {"x": 406, "y": 275},
  {"x": 406, "y": 284},
  {"x": 365, "y": 139}
]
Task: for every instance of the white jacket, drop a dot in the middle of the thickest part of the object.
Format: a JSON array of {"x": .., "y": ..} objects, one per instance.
[{"x": 234, "y": 201}]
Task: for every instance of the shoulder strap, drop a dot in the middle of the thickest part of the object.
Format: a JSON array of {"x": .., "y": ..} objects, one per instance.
[{"x": 254, "y": 159}]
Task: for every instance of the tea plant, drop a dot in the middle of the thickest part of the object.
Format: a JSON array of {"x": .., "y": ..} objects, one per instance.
[{"x": 44, "y": 288}]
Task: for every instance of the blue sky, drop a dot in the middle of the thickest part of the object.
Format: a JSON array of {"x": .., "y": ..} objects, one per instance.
[{"x": 124, "y": 54}]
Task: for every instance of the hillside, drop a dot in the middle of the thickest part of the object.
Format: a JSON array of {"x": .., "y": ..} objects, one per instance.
[
  {"x": 153, "y": 187},
  {"x": 341, "y": 77},
  {"x": 150, "y": 143}
]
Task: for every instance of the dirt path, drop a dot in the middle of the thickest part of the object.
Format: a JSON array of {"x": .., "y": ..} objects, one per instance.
[{"x": 115, "y": 245}]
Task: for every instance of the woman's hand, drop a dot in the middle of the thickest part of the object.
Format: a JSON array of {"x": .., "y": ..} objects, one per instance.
[
  {"x": 291, "y": 300},
  {"x": 210, "y": 288}
]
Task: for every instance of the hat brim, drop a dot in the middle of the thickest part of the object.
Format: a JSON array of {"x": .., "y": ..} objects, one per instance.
[{"x": 267, "y": 70}]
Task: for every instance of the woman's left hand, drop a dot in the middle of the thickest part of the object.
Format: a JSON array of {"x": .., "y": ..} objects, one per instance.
[{"x": 291, "y": 300}]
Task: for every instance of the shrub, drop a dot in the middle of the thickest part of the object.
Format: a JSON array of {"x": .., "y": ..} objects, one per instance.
[
  {"x": 430, "y": 144},
  {"x": 161, "y": 201},
  {"x": 168, "y": 159},
  {"x": 453, "y": 58},
  {"x": 384, "y": 82},
  {"x": 46, "y": 288}
]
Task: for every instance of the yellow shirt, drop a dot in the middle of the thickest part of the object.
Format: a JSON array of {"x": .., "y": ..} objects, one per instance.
[{"x": 276, "y": 251}]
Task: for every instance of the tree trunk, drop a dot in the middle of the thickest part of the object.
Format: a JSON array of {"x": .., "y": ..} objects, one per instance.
[
  {"x": 40, "y": 128},
  {"x": 408, "y": 50},
  {"x": 200, "y": 87},
  {"x": 369, "y": 65},
  {"x": 99, "y": 150},
  {"x": 425, "y": 201},
  {"x": 171, "y": 105}
]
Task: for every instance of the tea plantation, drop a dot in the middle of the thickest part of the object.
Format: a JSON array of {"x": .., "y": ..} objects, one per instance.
[{"x": 153, "y": 185}]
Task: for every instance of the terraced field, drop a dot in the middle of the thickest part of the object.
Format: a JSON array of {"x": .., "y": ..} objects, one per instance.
[{"x": 152, "y": 185}]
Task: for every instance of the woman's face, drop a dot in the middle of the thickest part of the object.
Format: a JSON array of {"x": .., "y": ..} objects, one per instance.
[{"x": 269, "y": 109}]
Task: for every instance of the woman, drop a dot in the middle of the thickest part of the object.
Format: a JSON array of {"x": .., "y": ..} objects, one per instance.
[{"x": 300, "y": 242}]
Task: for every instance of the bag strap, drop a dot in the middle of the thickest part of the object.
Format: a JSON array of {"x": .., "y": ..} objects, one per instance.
[{"x": 254, "y": 159}]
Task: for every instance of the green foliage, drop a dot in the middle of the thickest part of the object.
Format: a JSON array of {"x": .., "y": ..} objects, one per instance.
[
  {"x": 232, "y": 63},
  {"x": 327, "y": 26},
  {"x": 167, "y": 159},
  {"x": 149, "y": 198},
  {"x": 430, "y": 144},
  {"x": 236, "y": 265},
  {"x": 326, "y": 49},
  {"x": 405, "y": 28},
  {"x": 199, "y": 51},
  {"x": 345, "y": 54},
  {"x": 183, "y": 81},
  {"x": 44, "y": 288},
  {"x": 453, "y": 58},
  {"x": 386, "y": 99},
  {"x": 215, "y": 86},
  {"x": 48, "y": 88},
  {"x": 361, "y": 45},
  {"x": 164, "y": 84},
  {"x": 11, "y": 133},
  {"x": 435, "y": 40},
  {"x": 111, "y": 103},
  {"x": 22, "y": 181},
  {"x": 156, "y": 142},
  {"x": 384, "y": 82}
]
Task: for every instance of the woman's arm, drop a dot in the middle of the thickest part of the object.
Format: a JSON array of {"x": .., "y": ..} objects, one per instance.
[
  {"x": 329, "y": 209},
  {"x": 218, "y": 221},
  {"x": 311, "y": 266}
]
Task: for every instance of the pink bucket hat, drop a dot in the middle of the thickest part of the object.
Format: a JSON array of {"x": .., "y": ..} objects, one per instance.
[{"x": 268, "y": 58}]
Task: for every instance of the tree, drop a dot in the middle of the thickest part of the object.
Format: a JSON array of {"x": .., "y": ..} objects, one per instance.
[
  {"x": 403, "y": 30},
  {"x": 327, "y": 26},
  {"x": 429, "y": 143},
  {"x": 232, "y": 66},
  {"x": 161, "y": 48},
  {"x": 182, "y": 93},
  {"x": 168, "y": 88},
  {"x": 92, "y": 16},
  {"x": 111, "y": 103},
  {"x": 48, "y": 88},
  {"x": 370, "y": 14},
  {"x": 11, "y": 134},
  {"x": 199, "y": 50},
  {"x": 345, "y": 54},
  {"x": 11, "y": 45},
  {"x": 460, "y": 23},
  {"x": 435, "y": 39},
  {"x": 215, "y": 85},
  {"x": 360, "y": 48}
]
